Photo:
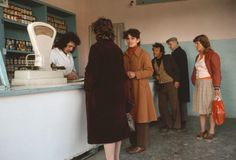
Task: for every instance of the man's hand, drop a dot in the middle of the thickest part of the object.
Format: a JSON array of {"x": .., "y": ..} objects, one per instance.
[
  {"x": 177, "y": 84},
  {"x": 157, "y": 77}
]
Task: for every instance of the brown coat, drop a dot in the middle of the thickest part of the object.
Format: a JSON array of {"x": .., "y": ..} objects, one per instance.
[
  {"x": 105, "y": 86},
  {"x": 140, "y": 63}
]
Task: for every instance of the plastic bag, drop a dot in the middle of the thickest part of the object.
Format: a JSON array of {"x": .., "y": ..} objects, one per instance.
[
  {"x": 130, "y": 122},
  {"x": 218, "y": 111}
]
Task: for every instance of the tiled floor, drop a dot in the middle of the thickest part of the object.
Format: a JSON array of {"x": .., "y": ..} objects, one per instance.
[{"x": 183, "y": 145}]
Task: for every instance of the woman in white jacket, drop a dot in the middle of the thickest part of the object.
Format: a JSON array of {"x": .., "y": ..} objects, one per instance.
[{"x": 61, "y": 54}]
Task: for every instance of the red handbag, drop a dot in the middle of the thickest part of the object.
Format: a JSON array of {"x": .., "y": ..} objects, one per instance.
[{"x": 218, "y": 111}]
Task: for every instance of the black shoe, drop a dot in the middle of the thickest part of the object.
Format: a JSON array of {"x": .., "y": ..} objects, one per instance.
[
  {"x": 181, "y": 129},
  {"x": 164, "y": 130},
  {"x": 183, "y": 125},
  {"x": 175, "y": 130}
]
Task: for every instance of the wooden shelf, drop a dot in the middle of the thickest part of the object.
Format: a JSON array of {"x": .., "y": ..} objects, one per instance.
[
  {"x": 30, "y": 3},
  {"x": 52, "y": 10},
  {"x": 10, "y": 22},
  {"x": 19, "y": 65},
  {"x": 21, "y": 52}
]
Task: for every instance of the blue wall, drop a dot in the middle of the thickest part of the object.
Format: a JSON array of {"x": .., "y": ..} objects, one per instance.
[{"x": 226, "y": 48}]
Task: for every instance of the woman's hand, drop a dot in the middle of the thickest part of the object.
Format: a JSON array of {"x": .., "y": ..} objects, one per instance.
[
  {"x": 72, "y": 76},
  {"x": 217, "y": 93},
  {"x": 130, "y": 74}
]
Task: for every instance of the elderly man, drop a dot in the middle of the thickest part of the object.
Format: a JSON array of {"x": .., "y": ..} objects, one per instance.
[{"x": 181, "y": 60}]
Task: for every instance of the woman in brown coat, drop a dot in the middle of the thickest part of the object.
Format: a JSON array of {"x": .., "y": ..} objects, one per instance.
[
  {"x": 105, "y": 82},
  {"x": 139, "y": 69}
]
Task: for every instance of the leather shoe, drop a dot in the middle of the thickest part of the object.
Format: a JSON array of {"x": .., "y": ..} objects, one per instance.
[
  {"x": 130, "y": 148},
  {"x": 136, "y": 150}
]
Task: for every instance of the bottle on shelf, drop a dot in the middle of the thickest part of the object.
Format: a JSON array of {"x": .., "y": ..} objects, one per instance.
[
  {"x": 18, "y": 14},
  {"x": 17, "y": 62},
  {"x": 18, "y": 45},
  {"x": 59, "y": 24}
]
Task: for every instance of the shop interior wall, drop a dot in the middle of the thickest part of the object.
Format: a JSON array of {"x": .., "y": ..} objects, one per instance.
[{"x": 157, "y": 22}]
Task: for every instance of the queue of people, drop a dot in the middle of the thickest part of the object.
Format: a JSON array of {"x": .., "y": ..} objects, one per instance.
[{"x": 114, "y": 81}]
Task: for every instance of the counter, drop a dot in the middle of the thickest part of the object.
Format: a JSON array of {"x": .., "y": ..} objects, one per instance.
[
  {"x": 43, "y": 123},
  {"x": 24, "y": 90}
]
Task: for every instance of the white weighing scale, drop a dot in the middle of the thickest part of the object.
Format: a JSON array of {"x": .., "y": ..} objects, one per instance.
[{"x": 42, "y": 36}]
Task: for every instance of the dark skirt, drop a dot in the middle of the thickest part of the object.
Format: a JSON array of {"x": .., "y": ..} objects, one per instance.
[{"x": 106, "y": 118}]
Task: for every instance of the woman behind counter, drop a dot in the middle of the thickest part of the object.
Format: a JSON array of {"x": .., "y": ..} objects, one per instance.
[
  {"x": 139, "y": 69},
  {"x": 105, "y": 91},
  {"x": 206, "y": 78},
  {"x": 61, "y": 54}
]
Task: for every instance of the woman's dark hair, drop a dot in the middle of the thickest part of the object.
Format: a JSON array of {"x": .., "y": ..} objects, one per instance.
[
  {"x": 132, "y": 32},
  {"x": 65, "y": 39},
  {"x": 159, "y": 45},
  {"x": 103, "y": 29},
  {"x": 203, "y": 39}
]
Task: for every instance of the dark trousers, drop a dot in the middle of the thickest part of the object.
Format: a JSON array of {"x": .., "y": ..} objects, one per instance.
[
  {"x": 183, "y": 111},
  {"x": 140, "y": 136},
  {"x": 167, "y": 93}
]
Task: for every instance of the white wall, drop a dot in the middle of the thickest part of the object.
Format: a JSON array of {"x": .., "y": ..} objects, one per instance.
[
  {"x": 184, "y": 19},
  {"x": 157, "y": 22}
]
